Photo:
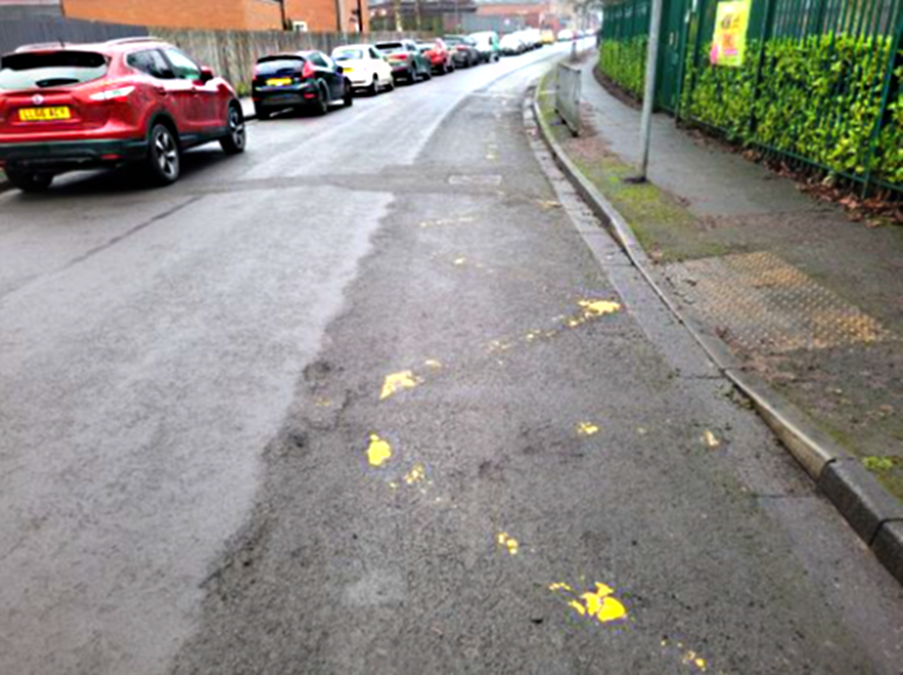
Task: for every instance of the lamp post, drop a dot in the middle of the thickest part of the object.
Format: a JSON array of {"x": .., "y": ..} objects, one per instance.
[{"x": 649, "y": 95}]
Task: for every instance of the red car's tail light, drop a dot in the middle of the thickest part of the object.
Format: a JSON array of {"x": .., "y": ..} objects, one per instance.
[
  {"x": 400, "y": 57},
  {"x": 308, "y": 70},
  {"x": 117, "y": 94}
]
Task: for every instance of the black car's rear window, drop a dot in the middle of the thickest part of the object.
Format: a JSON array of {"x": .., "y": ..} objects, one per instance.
[
  {"x": 279, "y": 65},
  {"x": 28, "y": 70},
  {"x": 391, "y": 47}
]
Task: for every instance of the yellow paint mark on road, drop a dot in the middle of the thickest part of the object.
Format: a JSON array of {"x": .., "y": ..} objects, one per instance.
[
  {"x": 398, "y": 381},
  {"x": 393, "y": 485},
  {"x": 688, "y": 656},
  {"x": 499, "y": 346},
  {"x": 602, "y": 606},
  {"x": 322, "y": 403},
  {"x": 599, "y": 604},
  {"x": 416, "y": 474},
  {"x": 379, "y": 451},
  {"x": 710, "y": 439},
  {"x": 433, "y": 363},
  {"x": 587, "y": 429},
  {"x": 558, "y": 586},
  {"x": 508, "y": 542},
  {"x": 548, "y": 203},
  {"x": 593, "y": 308},
  {"x": 460, "y": 261}
]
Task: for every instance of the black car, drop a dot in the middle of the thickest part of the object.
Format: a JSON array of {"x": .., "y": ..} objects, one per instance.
[
  {"x": 463, "y": 50},
  {"x": 301, "y": 80}
]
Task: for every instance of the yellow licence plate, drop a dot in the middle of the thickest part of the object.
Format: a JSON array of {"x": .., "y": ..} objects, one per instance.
[
  {"x": 346, "y": 69},
  {"x": 45, "y": 114},
  {"x": 279, "y": 81}
]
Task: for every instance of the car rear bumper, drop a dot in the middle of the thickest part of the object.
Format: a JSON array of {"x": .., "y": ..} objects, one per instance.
[
  {"x": 281, "y": 98},
  {"x": 58, "y": 156}
]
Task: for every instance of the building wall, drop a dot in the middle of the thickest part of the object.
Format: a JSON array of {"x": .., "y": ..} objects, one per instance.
[
  {"x": 197, "y": 14},
  {"x": 320, "y": 15}
]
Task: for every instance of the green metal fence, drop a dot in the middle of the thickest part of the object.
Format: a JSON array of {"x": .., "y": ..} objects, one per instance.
[{"x": 820, "y": 82}]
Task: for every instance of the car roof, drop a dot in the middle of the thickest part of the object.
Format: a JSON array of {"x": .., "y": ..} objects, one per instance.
[
  {"x": 110, "y": 47},
  {"x": 362, "y": 45}
]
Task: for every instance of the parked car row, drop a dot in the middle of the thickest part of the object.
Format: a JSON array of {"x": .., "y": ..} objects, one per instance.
[
  {"x": 141, "y": 101},
  {"x": 315, "y": 81}
]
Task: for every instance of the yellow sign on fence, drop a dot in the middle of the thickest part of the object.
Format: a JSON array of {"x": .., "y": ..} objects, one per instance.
[{"x": 729, "y": 42}]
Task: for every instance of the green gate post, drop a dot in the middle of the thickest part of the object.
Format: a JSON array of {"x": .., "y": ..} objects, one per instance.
[
  {"x": 767, "y": 24},
  {"x": 681, "y": 73}
]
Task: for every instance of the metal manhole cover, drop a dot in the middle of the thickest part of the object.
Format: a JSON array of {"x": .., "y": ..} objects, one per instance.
[{"x": 492, "y": 179}]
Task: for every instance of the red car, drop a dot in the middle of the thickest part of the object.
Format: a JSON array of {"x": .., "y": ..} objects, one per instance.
[
  {"x": 438, "y": 54},
  {"x": 66, "y": 107}
]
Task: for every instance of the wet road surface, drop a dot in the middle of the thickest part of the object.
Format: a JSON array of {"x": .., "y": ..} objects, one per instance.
[{"x": 363, "y": 401}]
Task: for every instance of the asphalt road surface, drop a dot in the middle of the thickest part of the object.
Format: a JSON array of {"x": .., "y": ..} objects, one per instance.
[{"x": 362, "y": 400}]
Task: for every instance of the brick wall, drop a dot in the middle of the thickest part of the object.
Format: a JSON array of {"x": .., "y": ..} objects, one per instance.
[
  {"x": 197, "y": 14},
  {"x": 320, "y": 15}
]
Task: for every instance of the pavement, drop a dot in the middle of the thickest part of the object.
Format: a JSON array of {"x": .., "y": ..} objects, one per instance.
[
  {"x": 804, "y": 297},
  {"x": 364, "y": 400}
]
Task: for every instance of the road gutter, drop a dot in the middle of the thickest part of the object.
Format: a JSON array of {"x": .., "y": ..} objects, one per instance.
[{"x": 874, "y": 515}]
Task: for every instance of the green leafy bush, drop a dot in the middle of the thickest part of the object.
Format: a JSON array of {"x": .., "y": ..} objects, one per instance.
[
  {"x": 624, "y": 61},
  {"x": 818, "y": 98}
]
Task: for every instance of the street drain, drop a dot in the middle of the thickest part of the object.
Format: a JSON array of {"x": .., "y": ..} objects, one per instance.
[{"x": 492, "y": 179}]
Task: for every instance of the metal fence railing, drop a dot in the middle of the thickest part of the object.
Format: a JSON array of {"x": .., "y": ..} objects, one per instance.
[{"x": 819, "y": 81}]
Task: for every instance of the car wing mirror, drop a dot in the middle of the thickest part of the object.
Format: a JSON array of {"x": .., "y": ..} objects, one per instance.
[
  {"x": 206, "y": 73},
  {"x": 339, "y": 69}
]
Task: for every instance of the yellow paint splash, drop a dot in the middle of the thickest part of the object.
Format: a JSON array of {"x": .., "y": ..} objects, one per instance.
[
  {"x": 587, "y": 429},
  {"x": 398, "y": 381},
  {"x": 460, "y": 261},
  {"x": 379, "y": 451},
  {"x": 710, "y": 439},
  {"x": 593, "y": 308},
  {"x": 499, "y": 346},
  {"x": 602, "y": 606},
  {"x": 548, "y": 203},
  {"x": 508, "y": 542},
  {"x": 322, "y": 403},
  {"x": 416, "y": 474},
  {"x": 599, "y": 604},
  {"x": 689, "y": 657},
  {"x": 557, "y": 586},
  {"x": 433, "y": 363}
]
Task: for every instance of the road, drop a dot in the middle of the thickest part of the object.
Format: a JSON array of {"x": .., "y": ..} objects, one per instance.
[{"x": 362, "y": 400}]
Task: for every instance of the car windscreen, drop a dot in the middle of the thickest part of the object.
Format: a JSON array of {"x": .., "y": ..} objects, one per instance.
[
  {"x": 27, "y": 70},
  {"x": 453, "y": 40},
  {"x": 391, "y": 47},
  {"x": 279, "y": 65},
  {"x": 348, "y": 55}
]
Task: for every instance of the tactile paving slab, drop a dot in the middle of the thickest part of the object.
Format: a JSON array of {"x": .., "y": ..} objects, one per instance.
[{"x": 764, "y": 303}]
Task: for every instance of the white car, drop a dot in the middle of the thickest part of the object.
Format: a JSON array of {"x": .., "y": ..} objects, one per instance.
[
  {"x": 565, "y": 35},
  {"x": 365, "y": 66},
  {"x": 512, "y": 44}
]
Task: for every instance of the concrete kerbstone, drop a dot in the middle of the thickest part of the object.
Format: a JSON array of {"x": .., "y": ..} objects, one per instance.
[{"x": 888, "y": 547}]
